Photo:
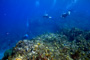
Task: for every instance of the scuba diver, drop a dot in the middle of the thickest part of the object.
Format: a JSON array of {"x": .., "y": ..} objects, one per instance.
[
  {"x": 69, "y": 6},
  {"x": 25, "y": 36},
  {"x": 47, "y": 16},
  {"x": 64, "y": 15}
]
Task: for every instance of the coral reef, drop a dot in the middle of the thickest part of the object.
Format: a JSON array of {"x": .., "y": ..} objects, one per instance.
[{"x": 69, "y": 44}]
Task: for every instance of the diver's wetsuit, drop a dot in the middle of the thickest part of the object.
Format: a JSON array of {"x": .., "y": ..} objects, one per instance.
[{"x": 64, "y": 15}]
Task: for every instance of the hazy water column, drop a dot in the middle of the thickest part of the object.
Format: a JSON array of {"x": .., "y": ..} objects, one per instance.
[
  {"x": 54, "y": 3},
  {"x": 52, "y": 6},
  {"x": 37, "y": 3},
  {"x": 73, "y": 2},
  {"x": 27, "y": 26}
]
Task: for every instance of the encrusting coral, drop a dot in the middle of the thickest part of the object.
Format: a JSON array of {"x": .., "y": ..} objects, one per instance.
[{"x": 72, "y": 44}]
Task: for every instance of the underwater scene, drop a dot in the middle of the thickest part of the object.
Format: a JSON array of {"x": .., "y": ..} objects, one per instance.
[{"x": 44, "y": 29}]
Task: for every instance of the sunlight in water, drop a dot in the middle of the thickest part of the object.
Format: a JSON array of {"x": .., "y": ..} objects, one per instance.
[
  {"x": 37, "y": 3},
  {"x": 27, "y": 24},
  {"x": 54, "y": 3},
  {"x": 73, "y": 2}
]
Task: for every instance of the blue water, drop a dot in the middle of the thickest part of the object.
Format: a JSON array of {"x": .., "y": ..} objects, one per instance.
[{"x": 18, "y": 17}]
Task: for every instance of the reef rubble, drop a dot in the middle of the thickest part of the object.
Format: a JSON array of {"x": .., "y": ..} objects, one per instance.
[{"x": 68, "y": 44}]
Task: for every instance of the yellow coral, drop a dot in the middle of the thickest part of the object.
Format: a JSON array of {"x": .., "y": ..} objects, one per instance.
[
  {"x": 46, "y": 54},
  {"x": 38, "y": 43},
  {"x": 18, "y": 59},
  {"x": 36, "y": 46}
]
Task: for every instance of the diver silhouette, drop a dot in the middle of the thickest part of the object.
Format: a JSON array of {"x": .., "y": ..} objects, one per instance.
[
  {"x": 47, "y": 16},
  {"x": 64, "y": 15},
  {"x": 26, "y": 35}
]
